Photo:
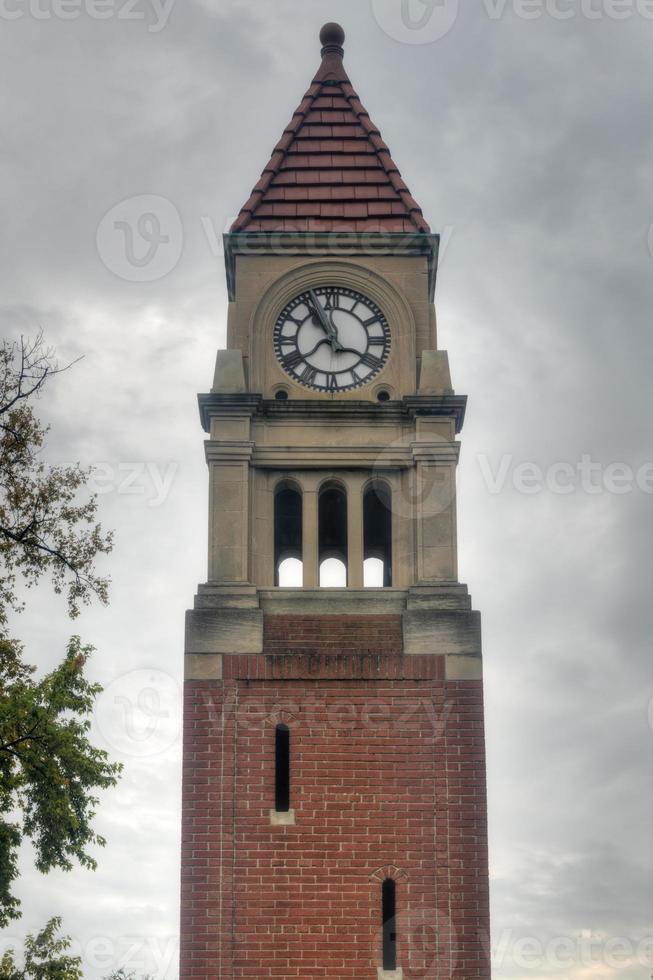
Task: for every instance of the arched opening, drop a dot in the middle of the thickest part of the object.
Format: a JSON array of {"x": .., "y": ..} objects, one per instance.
[
  {"x": 290, "y": 573},
  {"x": 333, "y": 574},
  {"x": 332, "y": 519},
  {"x": 288, "y": 544},
  {"x": 373, "y": 573},
  {"x": 389, "y": 904},
  {"x": 282, "y": 769},
  {"x": 377, "y": 536}
]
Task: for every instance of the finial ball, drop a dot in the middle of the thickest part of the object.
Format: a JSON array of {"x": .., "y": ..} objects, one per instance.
[{"x": 332, "y": 34}]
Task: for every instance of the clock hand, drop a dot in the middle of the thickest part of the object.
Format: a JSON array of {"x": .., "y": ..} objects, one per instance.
[
  {"x": 326, "y": 324},
  {"x": 337, "y": 346},
  {"x": 317, "y": 347}
]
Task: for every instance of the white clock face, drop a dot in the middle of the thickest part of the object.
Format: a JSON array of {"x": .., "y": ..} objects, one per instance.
[{"x": 332, "y": 339}]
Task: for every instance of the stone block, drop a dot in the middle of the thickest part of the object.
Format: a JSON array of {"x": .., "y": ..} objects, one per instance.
[
  {"x": 434, "y": 375},
  {"x": 439, "y": 631},
  {"x": 224, "y": 631},
  {"x": 229, "y": 374}
]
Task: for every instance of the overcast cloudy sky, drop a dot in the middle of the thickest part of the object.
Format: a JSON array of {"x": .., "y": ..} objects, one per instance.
[{"x": 524, "y": 131}]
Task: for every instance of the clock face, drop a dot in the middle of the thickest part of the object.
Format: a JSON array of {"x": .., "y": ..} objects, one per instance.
[{"x": 332, "y": 339}]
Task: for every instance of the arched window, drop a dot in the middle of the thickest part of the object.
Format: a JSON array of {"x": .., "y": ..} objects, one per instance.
[
  {"x": 282, "y": 769},
  {"x": 333, "y": 536},
  {"x": 377, "y": 536},
  {"x": 389, "y": 905},
  {"x": 288, "y": 567}
]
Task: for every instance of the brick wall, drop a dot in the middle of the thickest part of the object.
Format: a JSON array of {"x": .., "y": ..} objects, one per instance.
[
  {"x": 374, "y": 634},
  {"x": 387, "y": 778}
]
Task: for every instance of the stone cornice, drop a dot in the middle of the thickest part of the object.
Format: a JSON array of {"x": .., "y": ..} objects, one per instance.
[
  {"x": 330, "y": 244},
  {"x": 247, "y": 404}
]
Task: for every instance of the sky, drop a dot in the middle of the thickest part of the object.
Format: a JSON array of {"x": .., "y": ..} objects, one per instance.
[{"x": 523, "y": 128}]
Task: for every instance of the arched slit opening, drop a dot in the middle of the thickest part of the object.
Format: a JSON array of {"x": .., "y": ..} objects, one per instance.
[
  {"x": 288, "y": 540},
  {"x": 332, "y": 520},
  {"x": 282, "y": 769},
  {"x": 389, "y": 904},
  {"x": 377, "y": 536}
]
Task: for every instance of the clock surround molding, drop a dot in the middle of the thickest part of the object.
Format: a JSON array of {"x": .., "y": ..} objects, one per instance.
[{"x": 399, "y": 371}]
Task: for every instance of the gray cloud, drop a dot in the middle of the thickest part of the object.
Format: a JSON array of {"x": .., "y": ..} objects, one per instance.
[{"x": 529, "y": 144}]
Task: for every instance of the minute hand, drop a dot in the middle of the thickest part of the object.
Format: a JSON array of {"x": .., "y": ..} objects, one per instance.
[{"x": 327, "y": 325}]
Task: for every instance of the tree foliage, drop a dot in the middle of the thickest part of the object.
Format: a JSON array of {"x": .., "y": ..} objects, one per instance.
[
  {"x": 49, "y": 770},
  {"x": 44, "y": 528},
  {"x": 46, "y": 957}
]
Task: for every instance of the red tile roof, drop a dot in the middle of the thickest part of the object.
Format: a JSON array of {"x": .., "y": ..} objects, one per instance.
[{"x": 331, "y": 170}]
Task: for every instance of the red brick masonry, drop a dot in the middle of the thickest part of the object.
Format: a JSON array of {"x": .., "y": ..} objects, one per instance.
[{"x": 387, "y": 778}]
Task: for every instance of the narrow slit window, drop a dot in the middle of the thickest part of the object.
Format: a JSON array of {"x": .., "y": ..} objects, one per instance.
[
  {"x": 377, "y": 536},
  {"x": 389, "y": 902},
  {"x": 282, "y": 773}
]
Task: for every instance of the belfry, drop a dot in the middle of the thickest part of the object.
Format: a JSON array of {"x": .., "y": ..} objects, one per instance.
[{"x": 334, "y": 803}]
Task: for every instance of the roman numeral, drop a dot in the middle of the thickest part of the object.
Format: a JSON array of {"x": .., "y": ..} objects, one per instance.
[
  {"x": 377, "y": 341},
  {"x": 370, "y": 360},
  {"x": 291, "y": 361},
  {"x": 308, "y": 375},
  {"x": 331, "y": 299},
  {"x": 373, "y": 319},
  {"x": 331, "y": 382}
]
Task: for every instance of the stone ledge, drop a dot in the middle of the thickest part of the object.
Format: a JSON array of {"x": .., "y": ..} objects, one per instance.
[
  {"x": 280, "y": 819},
  {"x": 333, "y": 602},
  {"x": 437, "y": 619}
]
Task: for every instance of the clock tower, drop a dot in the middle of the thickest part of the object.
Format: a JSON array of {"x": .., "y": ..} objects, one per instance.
[{"x": 334, "y": 806}]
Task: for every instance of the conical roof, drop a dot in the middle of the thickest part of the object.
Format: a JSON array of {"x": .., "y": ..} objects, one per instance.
[{"x": 331, "y": 170}]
